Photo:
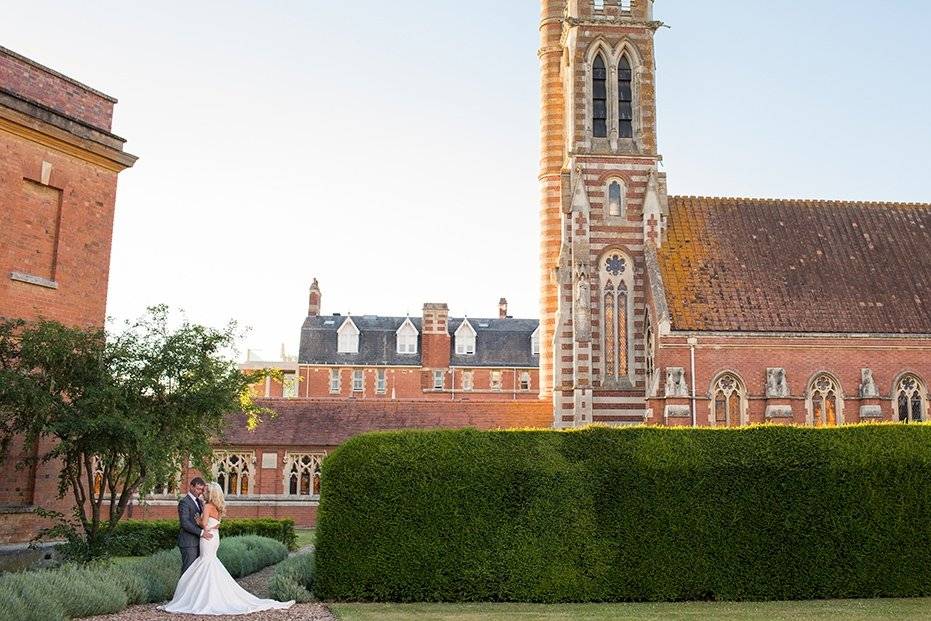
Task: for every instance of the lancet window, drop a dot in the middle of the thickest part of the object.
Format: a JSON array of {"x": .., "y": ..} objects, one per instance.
[
  {"x": 616, "y": 276},
  {"x": 234, "y": 471},
  {"x": 302, "y": 473},
  {"x": 825, "y": 400},
  {"x": 727, "y": 400},
  {"x": 909, "y": 399}
]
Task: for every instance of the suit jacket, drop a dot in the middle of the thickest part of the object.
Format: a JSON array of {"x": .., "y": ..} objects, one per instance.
[{"x": 189, "y": 535}]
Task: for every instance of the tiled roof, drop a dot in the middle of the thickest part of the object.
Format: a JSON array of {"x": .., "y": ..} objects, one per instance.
[
  {"x": 499, "y": 342},
  {"x": 756, "y": 265},
  {"x": 329, "y": 422}
]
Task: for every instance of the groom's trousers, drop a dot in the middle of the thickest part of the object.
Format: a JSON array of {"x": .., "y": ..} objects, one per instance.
[{"x": 188, "y": 556}]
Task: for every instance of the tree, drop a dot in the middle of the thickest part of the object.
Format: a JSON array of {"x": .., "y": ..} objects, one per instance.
[{"x": 124, "y": 411}]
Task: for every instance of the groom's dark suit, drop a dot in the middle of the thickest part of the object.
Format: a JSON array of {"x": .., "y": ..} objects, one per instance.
[{"x": 190, "y": 533}]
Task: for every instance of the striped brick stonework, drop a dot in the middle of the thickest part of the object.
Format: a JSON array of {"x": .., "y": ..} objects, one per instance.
[{"x": 596, "y": 361}]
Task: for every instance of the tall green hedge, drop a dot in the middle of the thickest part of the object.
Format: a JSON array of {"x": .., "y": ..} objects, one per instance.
[
  {"x": 143, "y": 537},
  {"x": 627, "y": 514}
]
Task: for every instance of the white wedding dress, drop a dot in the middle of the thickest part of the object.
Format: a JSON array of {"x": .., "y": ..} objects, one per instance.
[{"x": 206, "y": 588}]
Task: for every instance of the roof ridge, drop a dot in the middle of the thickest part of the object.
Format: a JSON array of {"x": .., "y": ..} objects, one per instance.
[{"x": 799, "y": 201}]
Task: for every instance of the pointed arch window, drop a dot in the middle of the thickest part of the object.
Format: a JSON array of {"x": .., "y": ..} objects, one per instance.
[
  {"x": 727, "y": 400},
  {"x": 616, "y": 198},
  {"x": 234, "y": 472},
  {"x": 826, "y": 401},
  {"x": 910, "y": 400},
  {"x": 599, "y": 98},
  {"x": 625, "y": 98},
  {"x": 302, "y": 473},
  {"x": 616, "y": 284},
  {"x": 650, "y": 355}
]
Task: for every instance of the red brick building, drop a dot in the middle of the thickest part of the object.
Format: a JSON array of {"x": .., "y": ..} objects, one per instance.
[
  {"x": 275, "y": 470},
  {"x": 831, "y": 328},
  {"x": 59, "y": 163},
  {"x": 706, "y": 311},
  {"x": 433, "y": 357}
]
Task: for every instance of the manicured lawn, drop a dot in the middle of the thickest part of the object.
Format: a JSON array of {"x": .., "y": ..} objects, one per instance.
[
  {"x": 305, "y": 537},
  {"x": 833, "y": 610}
]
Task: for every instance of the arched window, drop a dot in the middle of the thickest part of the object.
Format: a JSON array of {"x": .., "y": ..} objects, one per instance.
[
  {"x": 616, "y": 198},
  {"x": 302, "y": 473},
  {"x": 599, "y": 98},
  {"x": 727, "y": 400},
  {"x": 625, "y": 97},
  {"x": 909, "y": 399},
  {"x": 649, "y": 341},
  {"x": 616, "y": 276},
  {"x": 826, "y": 401},
  {"x": 234, "y": 472}
]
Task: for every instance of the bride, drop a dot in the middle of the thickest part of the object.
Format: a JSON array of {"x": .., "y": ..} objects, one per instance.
[{"x": 206, "y": 588}]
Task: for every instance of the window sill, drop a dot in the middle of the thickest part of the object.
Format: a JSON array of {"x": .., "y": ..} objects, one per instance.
[{"x": 33, "y": 280}]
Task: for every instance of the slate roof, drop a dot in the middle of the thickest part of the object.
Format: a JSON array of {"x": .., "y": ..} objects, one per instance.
[
  {"x": 499, "y": 342},
  {"x": 757, "y": 265}
]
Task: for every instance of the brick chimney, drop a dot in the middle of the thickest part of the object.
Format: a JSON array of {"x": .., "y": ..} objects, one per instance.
[
  {"x": 313, "y": 306},
  {"x": 435, "y": 339},
  {"x": 503, "y": 308}
]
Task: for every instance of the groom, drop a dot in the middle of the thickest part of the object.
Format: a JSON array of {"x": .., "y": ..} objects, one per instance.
[{"x": 190, "y": 507}]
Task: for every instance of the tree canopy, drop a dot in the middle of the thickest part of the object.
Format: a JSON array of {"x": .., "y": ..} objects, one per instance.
[{"x": 125, "y": 410}]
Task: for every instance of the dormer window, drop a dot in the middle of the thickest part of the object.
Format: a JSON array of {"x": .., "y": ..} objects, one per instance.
[
  {"x": 348, "y": 338},
  {"x": 407, "y": 338},
  {"x": 465, "y": 339},
  {"x": 535, "y": 342}
]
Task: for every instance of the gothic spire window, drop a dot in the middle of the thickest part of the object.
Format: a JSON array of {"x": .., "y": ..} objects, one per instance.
[
  {"x": 909, "y": 399},
  {"x": 825, "y": 401},
  {"x": 727, "y": 400},
  {"x": 599, "y": 98},
  {"x": 625, "y": 97},
  {"x": 616, "y": 276},
  {"x": 616, "y": 198}
]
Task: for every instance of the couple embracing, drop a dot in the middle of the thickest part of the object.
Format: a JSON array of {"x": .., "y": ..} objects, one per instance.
[{"x": 206, "y": 588}]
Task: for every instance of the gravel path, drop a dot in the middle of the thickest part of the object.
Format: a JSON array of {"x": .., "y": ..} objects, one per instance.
[
  {"x": 298, "y": 612},
  {"x": 256, "y": 583}
]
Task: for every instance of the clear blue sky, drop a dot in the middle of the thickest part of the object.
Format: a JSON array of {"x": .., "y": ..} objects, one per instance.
[{"x": 391, "y": 148}]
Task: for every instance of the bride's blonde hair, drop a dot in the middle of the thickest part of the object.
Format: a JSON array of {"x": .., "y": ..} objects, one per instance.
[{"x": 216, "y": 498}]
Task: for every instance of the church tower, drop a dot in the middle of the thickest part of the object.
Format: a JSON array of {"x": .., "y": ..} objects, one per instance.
[{"x": 603, "y": 200}]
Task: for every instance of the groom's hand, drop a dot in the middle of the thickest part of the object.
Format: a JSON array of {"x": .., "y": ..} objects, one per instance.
[{"x": 207, "y": 534}]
